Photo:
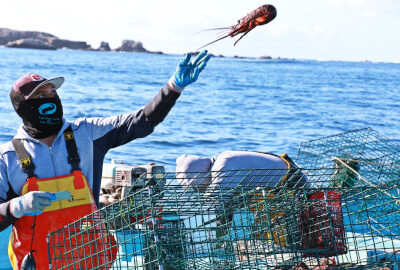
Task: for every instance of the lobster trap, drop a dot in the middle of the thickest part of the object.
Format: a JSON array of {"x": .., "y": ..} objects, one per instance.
[
  {"x": 259, "y": 223},
  {"x": 340, "y": 211},
  {"x": 360, "y": 157}
]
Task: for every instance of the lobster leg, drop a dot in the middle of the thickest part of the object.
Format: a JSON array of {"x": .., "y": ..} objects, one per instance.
[{"x": 242, "y": 36}]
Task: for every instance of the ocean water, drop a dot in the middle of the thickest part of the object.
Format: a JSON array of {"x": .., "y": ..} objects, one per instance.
[{"x": 252, "y": 104}]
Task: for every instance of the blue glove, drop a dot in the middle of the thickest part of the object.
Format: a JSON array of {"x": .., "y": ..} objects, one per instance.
[
  {"x": 187, "y": 72},
  {"x": 31, "y": 204}
]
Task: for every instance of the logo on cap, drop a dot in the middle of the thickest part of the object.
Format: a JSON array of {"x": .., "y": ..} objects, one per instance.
[
  {"x": 47, "y": 108},
  {"x": 36, "y": 77}
]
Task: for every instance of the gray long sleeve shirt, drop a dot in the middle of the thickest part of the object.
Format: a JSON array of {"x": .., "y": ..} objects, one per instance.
[{"x": 94, "y": 137}]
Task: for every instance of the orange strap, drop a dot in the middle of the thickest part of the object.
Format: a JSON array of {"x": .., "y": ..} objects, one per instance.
[
  {"x": 32, "y": 184},
  {"x": 78, "y": 179}
]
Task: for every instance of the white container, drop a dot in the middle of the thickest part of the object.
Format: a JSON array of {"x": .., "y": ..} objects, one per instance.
[{"x": 109, "y": 172}]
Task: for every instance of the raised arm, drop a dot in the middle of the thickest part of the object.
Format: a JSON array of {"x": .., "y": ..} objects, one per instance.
[{"x": 117, "y": 130}]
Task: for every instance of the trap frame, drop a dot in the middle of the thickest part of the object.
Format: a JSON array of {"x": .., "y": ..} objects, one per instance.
[
  {"x": 344, "y": 214},
  {"x": 374, "y": 157},
  {"x": 244, "y": 227}
]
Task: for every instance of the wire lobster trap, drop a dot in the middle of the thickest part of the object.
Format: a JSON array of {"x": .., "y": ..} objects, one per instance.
[
  {"x": 270, "y": 219},
  {"x": 363, "y": 157}
]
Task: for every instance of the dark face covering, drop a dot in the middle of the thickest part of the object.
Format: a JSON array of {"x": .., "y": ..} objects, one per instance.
[{"x": 42, "y": 117}]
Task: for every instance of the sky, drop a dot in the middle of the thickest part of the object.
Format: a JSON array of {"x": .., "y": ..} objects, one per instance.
[{"x": 349, "y": 30}]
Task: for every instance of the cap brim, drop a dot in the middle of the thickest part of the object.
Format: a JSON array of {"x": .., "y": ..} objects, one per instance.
[{"x": 57, "y": 82}]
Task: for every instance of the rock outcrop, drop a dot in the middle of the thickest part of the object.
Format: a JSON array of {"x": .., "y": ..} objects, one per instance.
[
  {"x": 9, "y": 35},
  {"x": 104, "y": 47},
  {"x": 30, "y": 43},
  {"x": 45, "y": 41},
  {"x": 131, "y": 46},
  {"x": 69, "y": 44},
  {"x": 38, "y": 40}
]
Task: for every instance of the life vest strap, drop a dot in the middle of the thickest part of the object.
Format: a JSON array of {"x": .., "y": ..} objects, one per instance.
[
  {"x": 292, "y": 170},
  {"x": 293, "y": 176},
  {"x": 25, "y": 159},
  {"x": 73, "y": 156}
]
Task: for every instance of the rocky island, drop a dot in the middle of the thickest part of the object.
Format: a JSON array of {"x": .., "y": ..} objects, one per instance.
[{"x": 45, "y": 41}]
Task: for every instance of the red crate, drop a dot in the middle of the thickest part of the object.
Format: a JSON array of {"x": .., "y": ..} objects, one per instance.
[{"x": 321, "y": 225}]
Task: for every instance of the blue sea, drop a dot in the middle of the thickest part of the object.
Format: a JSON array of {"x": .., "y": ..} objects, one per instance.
[{"x": 237, "y": 103}]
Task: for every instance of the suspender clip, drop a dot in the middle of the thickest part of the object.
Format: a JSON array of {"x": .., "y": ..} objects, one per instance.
[{"x": 68, "y": 136}]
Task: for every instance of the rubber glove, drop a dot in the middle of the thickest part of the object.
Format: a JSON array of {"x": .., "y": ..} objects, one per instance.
[
  {"x": 188, "y": 72},
  {"x": 31, "y": 204}
]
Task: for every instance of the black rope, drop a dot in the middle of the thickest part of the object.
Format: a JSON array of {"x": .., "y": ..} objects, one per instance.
[
  {"x": 28, "y": 263},
  {"x": 33, "y": 232}
]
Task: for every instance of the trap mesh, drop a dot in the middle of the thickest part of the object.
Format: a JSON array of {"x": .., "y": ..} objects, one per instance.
[
  {"x": 367, "y": 157},
  {"x": 254, "y": 219}
]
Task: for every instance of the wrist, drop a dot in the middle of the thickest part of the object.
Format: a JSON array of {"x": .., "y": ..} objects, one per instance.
[
  {"x": 16, "y": 207},
  {"x": 174, "y": 87}
]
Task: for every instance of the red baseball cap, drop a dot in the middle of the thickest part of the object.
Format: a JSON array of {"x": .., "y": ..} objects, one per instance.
[{"x": 28, "y": 84}]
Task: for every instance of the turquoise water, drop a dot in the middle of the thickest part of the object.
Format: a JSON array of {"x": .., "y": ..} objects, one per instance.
[{"x": 253, "y": 104}]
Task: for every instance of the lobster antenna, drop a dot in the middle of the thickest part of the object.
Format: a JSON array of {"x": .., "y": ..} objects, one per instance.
[
  {"x": 212, "y": 42},
  {"x": 211, "y": 29}
]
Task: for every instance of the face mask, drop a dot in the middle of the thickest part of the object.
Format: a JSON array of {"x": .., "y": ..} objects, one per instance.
[{"x": 42, "y": 117}]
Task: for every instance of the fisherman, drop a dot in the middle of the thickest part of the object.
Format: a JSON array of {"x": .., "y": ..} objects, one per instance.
[
  {"x": 51, "y": 159},
  {"x": 231, "y": 169},
  {"x": 227, "y": 174}
]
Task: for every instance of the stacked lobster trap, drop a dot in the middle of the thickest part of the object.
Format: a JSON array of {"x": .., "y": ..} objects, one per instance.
[
  {"x": 338, "y": 215},
  {"x": 371, "y": 157}
]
